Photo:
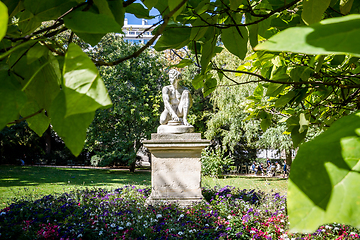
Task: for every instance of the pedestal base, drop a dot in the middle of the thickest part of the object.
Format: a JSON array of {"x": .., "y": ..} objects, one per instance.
[
  {"x": 168, "y": 129},
  {"x": 176, "y": 168}
]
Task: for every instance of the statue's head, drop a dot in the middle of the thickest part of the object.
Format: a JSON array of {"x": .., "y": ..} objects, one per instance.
[{"x": 174, "y": 74}]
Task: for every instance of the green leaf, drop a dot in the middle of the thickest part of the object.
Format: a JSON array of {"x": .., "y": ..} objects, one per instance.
[
  {"x": 14, "y": 6},
  {"x": 38, "y": 123},
  {"x": 301, "y": 72},
  {"x": 323, "y": 186},
  {"x": 173, "y": 4},
  {"x": 17, "y": 47},
  {"x": 259, "y": 91},
  {"x": 202, "y": 6},
  {"x": 313, "y": 10},
  {"x": 274, "y": 89},
  {"x": 36, "y": 52},
  {"x": 28, "y": 23},
  {"x": 283, "y": 100},
  {"x": 183, "y": 63},
  {"x": 71, "y": 129},
  {"x": 45, "y": 10},
  {"x": 41, "y": 78},
  {"x": 92, "y": 39},
  {"x": 88, "y": 22},
  {"x": 198, "y": 32},
  {"x": 138, "y": 10},
  {"x": 173, "y": 37},
  {"x": 234, "y": 4},
  {"x": 253, "y": 35},
  {"x": 12, "y": 99},
  {"x": 150, "y": 3},
  {"x": 265, "y": 123},
  {"x": 103, "y": 7},
  {"x": 330, "y": 36},
  {"x": 84, "y": 89},
  {"x": 345, "y": 6},
  {"x": 3, "y": 20},
  {"x": 234, "y": 41},
  {"x": 296, "y": 136},
  {"x": 207, "y": 52},
  {"x": 118, "y": 11},
  {"x": 209, "y": 86},
  {"x": 198, "y": 81}
]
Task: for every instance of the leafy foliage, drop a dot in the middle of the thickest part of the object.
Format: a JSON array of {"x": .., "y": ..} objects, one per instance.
[
  {"x": 306, "y": 89},
  {"x": 135, "y": 90},
  {"x": 324, "y": 191},
  {"x": 213, "y": 162}
]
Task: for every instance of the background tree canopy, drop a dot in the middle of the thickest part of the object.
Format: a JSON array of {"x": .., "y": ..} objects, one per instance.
[{"x": 307, "y": 71}]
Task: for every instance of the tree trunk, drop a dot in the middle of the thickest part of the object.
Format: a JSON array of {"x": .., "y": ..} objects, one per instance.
[
  {"x": 47, "y": 137},
  {"x": 132, "y": 166},
  {"x": 288, "y": 157}
]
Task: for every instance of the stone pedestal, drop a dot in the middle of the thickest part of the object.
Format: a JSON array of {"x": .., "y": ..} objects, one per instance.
[{"x": 175, "y": 167}]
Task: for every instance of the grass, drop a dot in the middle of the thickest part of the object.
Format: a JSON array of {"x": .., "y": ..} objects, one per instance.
[
  {"x": 249, "y": 182},
  {"x": 38, "y": 181}
]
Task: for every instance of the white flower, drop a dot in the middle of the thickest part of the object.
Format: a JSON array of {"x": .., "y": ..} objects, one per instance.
[
  {"x": 206, "y": 225},
  {"x": 100, "y": 233},
  {"x": 158, "y": 215},
  {"x": 229, "y": 217},
  {"x": 120, "y": 228},
  {"x": 2, "y": 213},
  {"x": 79, "y": 236},
  {"x": 336, "y": 228},
  {"x": 190, "y": 231},
  {"x": 352, "y": 233},
  {"x": 180, "y": 233},
  {"x": 128, "y": 224},
  {"x": 113, "y": 225},
  {"x": 252, "y": 232}
]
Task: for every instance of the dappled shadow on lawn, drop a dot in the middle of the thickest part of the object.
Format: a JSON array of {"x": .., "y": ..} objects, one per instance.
[
  {"x": 17, "y": 176},
  {"x": 255, "y": 178}
]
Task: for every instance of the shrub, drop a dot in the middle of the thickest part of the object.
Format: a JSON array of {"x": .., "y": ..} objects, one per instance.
[{"x": 213, "y": 162}]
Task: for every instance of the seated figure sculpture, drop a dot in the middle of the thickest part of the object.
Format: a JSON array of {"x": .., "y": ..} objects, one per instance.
[{"x": 177, "y": 101}]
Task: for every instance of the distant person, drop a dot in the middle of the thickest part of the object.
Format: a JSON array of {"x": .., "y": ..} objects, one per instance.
[
  {"x": 268, "y": 162},
  {"x": 22, "y": 161},
  {"x": 278, "y": 167},
  {"x": 253, "y": 167},
  {"x": 284, "y": 169},
  {"x": 260, "y": 168}
]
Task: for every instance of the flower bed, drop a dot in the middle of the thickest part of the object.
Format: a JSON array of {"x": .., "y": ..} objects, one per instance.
[{"x": 229, "y": 213}]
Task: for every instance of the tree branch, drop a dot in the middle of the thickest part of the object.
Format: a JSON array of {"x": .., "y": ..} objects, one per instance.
[
  {"x": 315, "y": 83},
  {"x": 24, "y": 118},
  {"x": 148, "y": 44}
]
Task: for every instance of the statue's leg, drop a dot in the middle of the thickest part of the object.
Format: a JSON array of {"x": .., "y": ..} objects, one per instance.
[
  {"x": 164, "y": 117},
  {"x": 184, "y": 105}
]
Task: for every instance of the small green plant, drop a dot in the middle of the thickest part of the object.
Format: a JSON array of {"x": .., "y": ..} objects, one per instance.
[
  {"x": 95, "y": 160},
  {"x": 214, "y": 161}
]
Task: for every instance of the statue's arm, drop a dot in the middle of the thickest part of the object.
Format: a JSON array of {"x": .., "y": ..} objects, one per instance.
[{"x": 167, "y": 104}]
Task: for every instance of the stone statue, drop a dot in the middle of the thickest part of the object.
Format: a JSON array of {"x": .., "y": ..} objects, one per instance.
[{"x": 177, "y": 101}]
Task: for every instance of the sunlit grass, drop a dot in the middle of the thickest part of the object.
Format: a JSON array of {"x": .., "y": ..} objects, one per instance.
[
  {"x": 249, "y": 182},
  {"x": 38, "y": 181}
]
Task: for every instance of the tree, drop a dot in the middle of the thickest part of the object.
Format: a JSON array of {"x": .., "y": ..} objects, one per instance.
[
  {"x": 135, "y": 90},
  {"x": 318, "y": 72}
]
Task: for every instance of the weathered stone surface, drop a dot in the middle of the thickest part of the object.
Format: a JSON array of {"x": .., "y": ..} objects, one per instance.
[
  {"x": 168, "y": 129},
  {"x": 176, "y": 167}
]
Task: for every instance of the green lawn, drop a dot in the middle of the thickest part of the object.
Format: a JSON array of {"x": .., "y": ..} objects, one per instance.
[
  {"x": 249, "y": 182},
  {"x": 37, "y": 181}
]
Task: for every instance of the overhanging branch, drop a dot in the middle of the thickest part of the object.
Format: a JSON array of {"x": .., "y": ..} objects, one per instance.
[{"x": 148, "y": 44}]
